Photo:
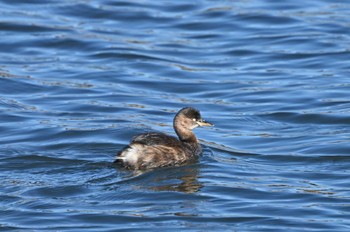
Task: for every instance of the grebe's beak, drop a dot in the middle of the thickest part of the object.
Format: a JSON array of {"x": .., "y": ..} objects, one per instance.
[{"x": 202, "y": 122}]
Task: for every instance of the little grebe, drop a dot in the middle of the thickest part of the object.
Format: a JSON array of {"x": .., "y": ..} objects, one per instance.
[{"x": 153, "y": 149}]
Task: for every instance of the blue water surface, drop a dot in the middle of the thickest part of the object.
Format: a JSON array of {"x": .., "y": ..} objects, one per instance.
[{"x": 79, "y": 78}]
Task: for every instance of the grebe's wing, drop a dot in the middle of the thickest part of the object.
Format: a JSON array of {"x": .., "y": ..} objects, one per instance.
[{"x": 156, "y": 138}]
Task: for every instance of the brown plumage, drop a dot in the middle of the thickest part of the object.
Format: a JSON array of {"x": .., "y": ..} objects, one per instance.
[{"x": 153, "y": 149}]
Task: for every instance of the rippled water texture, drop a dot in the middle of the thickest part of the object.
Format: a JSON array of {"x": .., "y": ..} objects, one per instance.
[{"x": 79, "y": 78}]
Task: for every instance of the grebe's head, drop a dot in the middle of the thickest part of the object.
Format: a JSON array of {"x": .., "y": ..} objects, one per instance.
[{"x": 190, "y": 118}]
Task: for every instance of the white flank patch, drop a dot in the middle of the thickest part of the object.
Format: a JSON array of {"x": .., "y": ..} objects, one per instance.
[{"x": 130, "y": 155}]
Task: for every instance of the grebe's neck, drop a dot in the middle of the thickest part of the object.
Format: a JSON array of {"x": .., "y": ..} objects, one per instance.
[
  {"x": 186, "y": 135},
  {"x": 183, "y": 132}
]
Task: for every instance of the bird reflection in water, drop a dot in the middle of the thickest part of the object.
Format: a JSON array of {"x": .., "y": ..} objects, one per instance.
[
  {"x": 176, "y": 179},
  {"x": 187, "y": 181}
]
